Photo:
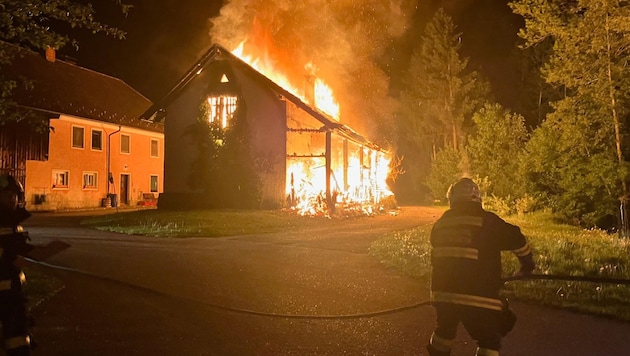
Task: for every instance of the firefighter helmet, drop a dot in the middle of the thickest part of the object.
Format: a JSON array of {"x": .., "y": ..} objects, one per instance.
[
  {"x": 8, "y": 182},
  {"x": 464, "y": 190}
]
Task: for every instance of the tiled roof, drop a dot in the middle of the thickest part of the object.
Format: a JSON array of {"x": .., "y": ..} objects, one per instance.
[{"x": 61, "y": 87}]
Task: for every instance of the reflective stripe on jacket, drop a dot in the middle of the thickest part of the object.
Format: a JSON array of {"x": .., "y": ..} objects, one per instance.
[{"x": 466, "y": 255}]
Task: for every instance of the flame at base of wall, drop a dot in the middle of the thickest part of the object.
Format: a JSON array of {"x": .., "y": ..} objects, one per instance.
[{"x": 355, "y": 188}]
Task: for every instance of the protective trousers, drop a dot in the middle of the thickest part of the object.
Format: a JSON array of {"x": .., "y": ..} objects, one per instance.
[
  {"x": 15, "y": 323},
  {"x": 483, "y": 325}
]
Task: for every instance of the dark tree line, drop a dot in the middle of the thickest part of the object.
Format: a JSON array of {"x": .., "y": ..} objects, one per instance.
[{"x": 564, "y": 145}]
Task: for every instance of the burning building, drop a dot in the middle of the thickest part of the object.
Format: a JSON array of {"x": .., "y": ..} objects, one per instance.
[{"x": 306, "y": 159}]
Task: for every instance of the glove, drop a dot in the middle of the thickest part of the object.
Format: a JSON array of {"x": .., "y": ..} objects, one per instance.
[{"x": 527, "y": 265}]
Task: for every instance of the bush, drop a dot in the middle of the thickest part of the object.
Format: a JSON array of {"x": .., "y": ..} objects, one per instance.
[{"x": 445, "y": 170}]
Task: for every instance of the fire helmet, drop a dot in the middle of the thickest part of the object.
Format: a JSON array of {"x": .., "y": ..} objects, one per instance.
[
  {"x": 8, "y": 182},
  {"x": 464, "y": 190}
]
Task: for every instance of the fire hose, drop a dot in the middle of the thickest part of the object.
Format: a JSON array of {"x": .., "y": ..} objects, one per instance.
[
  {"x": 618, "y": 281},
  {"x": 568, "y": 278}
]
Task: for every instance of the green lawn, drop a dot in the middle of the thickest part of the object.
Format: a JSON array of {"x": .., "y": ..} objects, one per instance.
[
  {"x": 558, "y": 250},
  {"x": 206, "y": 223}
]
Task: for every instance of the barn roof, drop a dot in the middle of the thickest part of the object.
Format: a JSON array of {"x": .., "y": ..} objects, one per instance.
[
  {"x": 217, "y": 52},
  {"x": 62, "y": 87}
]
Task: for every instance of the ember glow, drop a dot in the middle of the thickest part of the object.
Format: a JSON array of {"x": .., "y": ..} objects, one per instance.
[{"x": 358, "y": 173}]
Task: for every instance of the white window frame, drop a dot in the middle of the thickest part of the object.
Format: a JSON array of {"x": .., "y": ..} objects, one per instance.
[
  {"x": 157, "y": 148},
  {"x": 72, "y": 136},
  {"x": 90, "y": 180},
  {"x": 121, "y": 144},
  {"x": 64, "y": 174},
  {"x": 100, "y": 148},
  {"x": 157, "y": 183}
]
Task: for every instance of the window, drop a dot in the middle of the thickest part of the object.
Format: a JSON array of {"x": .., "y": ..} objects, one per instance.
[
  {"x": 90, "y": 180},
  {"x": 60, "y": 178},
  {"x": 221, "y": 108},
  {"x": 154, "y": 148},
  {"x": 125, "y": 144},
  {"x": 97, "y": 140},
  {"x": 77, "y": 136},
  {"x": 154, "y": 184}
]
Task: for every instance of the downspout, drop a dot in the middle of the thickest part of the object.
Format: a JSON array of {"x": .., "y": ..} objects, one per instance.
[{"x": 109, "y": 173}]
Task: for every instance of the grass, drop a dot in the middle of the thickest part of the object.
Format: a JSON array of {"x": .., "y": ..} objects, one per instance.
[
  {"x": 209, "y": 223},
  {"x": 558, "y": 250}
]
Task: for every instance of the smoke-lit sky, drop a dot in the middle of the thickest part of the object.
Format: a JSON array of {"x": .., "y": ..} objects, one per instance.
[
  {"x": 356, "y": 45},
  {"x": 343, "y": 39}
]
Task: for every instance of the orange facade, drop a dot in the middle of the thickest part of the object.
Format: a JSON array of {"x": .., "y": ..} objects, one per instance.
[{"x": 82, "y": 152}]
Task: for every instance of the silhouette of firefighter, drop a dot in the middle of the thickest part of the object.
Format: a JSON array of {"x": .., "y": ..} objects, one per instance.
[
  {"x": 14, "y": 248},
  {"x": 466, "y": 271}
]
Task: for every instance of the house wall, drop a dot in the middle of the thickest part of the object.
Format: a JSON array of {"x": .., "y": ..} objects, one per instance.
[
  {"x": 138, "y": 164},
  {"x": 267, "y": 118},
  {"x": 179, "y": 152},
  {"x": 266, "y": 115}
]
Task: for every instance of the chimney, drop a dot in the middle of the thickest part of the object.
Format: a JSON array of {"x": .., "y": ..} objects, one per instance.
[{"x": 50, "y": 54}]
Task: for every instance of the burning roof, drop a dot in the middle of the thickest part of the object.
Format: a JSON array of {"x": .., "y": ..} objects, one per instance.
[
  {"x": 313, "y": 162},
  {"x": 217, "y": 52}
]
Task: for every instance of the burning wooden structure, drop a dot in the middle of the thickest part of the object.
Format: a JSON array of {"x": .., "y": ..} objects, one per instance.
[{"x": 306, "y": 159}]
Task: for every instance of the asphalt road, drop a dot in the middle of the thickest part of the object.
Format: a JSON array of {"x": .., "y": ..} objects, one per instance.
[{"x": 313, "y": 293}]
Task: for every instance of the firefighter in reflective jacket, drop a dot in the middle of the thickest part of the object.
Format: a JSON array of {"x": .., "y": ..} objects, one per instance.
[
  {"x": 466, "y": 271},
  {"x": 14, "y": 245}
]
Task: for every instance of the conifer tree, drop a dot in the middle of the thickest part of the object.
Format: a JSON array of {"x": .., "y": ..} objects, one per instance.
[{"x": 440, "y": 93}]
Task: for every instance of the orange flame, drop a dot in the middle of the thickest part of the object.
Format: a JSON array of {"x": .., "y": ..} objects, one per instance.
[
  {"x": 324, "y": 97},
  {"x": 306, "y": 178}
]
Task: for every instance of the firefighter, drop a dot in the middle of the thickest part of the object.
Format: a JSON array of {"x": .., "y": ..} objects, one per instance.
[
  {"x": 466, "y": 271},
  {"x": 14, "y": 247}
]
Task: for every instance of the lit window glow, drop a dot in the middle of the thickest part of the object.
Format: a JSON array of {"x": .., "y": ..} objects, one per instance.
[{"x": 221, "y": 109}]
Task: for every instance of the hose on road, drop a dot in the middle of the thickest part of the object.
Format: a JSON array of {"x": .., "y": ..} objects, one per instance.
[
  {"x": 342, "y": 316},
  {"x": 568, "y": 278}
]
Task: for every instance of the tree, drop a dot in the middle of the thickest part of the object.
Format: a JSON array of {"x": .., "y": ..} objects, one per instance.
[
  {"x": 572, "y": 165},
  {"x": 439, "y": 89},
  {"x": 440, "y": 93},
  {"x": 224, "y": 168},
  {"x": 445, "y": 170},
  {"x": 591, "y": 50},
  {"x": 39, "y": 24},
  {"x": 535, "y": 93},
  {"x": 495, "y": 149},
  {"x": 207, "y": 137}
]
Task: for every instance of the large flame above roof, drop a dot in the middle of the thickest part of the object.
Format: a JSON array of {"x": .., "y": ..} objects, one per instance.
[
  {"x": 322, "y": 98},
  {"x": 347, "y": 41}
]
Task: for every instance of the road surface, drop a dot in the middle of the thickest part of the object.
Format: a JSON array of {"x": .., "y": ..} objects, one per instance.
[{"x": 314, "y": 293}]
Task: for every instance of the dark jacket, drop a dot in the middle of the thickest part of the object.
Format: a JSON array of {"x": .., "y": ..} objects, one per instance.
[
  {"x": 14, "y": 243},
  {"x": 466, "y": 255}
]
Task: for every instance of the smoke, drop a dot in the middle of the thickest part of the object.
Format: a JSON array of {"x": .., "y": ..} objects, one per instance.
[{"x": 343, "y": 39}]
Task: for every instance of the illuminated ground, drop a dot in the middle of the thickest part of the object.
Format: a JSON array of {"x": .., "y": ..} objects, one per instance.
[{"x": 266, "y": 295}]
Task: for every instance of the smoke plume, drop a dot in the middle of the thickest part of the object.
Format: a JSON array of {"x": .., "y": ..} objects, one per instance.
[{"x": 343, "y": 39}]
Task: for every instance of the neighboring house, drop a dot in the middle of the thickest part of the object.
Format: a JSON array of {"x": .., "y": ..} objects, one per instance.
[
  {"x": 303, "y": 156},
  {"x": 95, "y": 133}
]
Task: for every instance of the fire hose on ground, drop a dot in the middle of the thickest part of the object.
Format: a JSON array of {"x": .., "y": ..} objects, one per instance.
[{"x": 603, "y": 280}]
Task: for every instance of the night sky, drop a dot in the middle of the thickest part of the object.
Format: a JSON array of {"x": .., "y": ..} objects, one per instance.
[{"x": 165, "y": 37}]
